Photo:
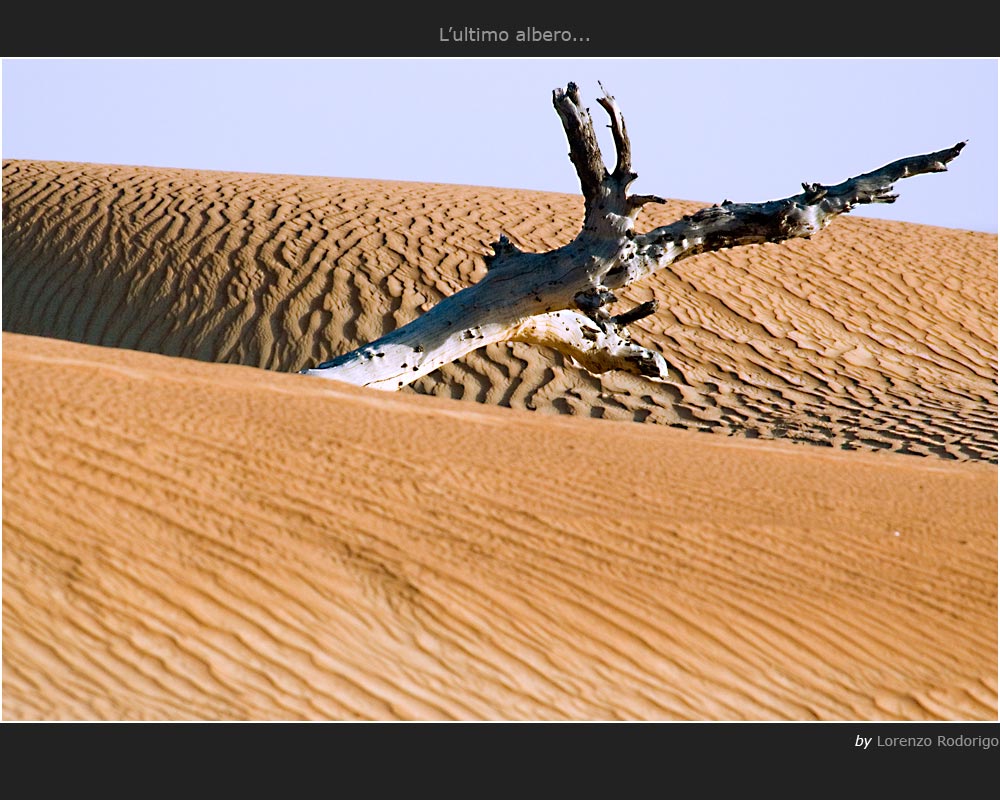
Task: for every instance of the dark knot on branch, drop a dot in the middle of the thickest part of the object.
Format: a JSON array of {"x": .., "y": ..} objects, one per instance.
[
  {"x": 573, "y": 92},
  {"x": 501, "y": 247},
  {"x": 592, "y": 300},
  {"x": 814, "y": 192}
]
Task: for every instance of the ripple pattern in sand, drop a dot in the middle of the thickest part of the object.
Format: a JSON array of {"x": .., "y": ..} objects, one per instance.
[
  {"x": 874, "y": 335},
  {"x": 199, "y": 541}
]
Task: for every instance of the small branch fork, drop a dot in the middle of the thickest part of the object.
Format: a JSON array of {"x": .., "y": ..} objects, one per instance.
[{"x": 559, "y": 298}]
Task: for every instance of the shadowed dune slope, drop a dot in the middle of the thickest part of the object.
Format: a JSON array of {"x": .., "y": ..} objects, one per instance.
[
  {"x": 185, "y": 540},
  {"x": 873, "y": 335}
]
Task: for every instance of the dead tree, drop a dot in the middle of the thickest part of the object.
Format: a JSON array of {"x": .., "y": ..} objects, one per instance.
[{"x": 559, "y": 299}]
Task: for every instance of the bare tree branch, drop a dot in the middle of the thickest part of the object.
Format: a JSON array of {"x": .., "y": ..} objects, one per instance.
[
  {"x": 623, "y": 167},
  {"x": 584, "y": 151},
  {"x": 558, "y": 298},
  {"x": 803, "y": 215},
  {"x": 595, "y": 347}
]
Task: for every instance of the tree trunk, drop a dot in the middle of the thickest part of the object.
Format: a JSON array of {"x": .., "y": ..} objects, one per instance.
[{"x": 558, "y": 299}]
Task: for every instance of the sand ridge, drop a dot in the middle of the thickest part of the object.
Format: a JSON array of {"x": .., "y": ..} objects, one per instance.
[
  {"x": 873, "y": 335},
  {"x": 193, "y": 531},
  {"x": 185, "y": 540}
]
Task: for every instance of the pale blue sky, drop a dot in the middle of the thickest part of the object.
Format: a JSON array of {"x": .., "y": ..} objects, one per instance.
[{"x": 701, "y": 129}]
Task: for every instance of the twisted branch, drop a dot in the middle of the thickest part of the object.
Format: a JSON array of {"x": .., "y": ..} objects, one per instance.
[{"x": 558, "y": 298}]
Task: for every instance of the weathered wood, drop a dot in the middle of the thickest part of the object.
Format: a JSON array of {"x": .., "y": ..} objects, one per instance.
[{"x": 558, "y": 298}]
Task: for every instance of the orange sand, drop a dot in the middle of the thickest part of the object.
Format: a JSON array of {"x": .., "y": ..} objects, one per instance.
[
  {"x": 872, "y": 335},
  {"x": 189, "y": 539}
]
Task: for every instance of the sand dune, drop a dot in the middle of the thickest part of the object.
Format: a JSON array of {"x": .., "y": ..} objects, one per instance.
[
  {"x": 874, "y": 335},
  {"x": 203, "y": 541},
  {"x": 193, "y": 531}
]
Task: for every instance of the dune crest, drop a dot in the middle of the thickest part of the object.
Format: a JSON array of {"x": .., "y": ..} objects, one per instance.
[{"x": 872, "y": 336}]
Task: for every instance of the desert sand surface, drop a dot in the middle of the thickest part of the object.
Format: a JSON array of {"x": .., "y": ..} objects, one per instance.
[
  {"x": 214, "y": 541},
  {"x": 872, "y": 335},
  {"x": 193, "y": 531}
]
